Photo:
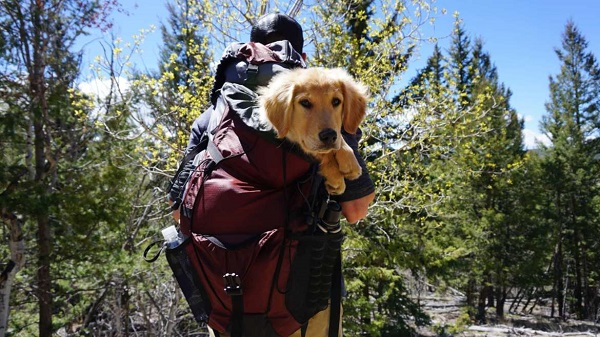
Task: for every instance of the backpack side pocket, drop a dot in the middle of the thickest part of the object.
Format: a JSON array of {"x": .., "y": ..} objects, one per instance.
[{"x": 188, "y": 281}]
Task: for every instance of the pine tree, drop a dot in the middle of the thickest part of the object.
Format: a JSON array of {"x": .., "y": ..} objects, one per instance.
[
  {"x": 469, "y": 161},
  {"x": 461, "y": 75},
  {"x": 47, "y": 155},
  {"x": 572, "y": 174}
]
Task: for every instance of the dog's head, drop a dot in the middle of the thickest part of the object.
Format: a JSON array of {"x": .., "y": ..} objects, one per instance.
[{"x": 310, "y": 106}]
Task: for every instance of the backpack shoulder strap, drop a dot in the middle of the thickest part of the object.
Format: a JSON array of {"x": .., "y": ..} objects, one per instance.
[
  {"x": 202, "y": 145},
  {"x": 177, "y": 183}
]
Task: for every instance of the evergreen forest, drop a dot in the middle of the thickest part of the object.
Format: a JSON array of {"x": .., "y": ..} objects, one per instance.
[{"x": 461, "y": 205}]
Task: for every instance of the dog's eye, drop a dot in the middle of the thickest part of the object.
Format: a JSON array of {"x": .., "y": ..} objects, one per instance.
[
  {"x": 336, "y": 102},
  {"x": 306, "y": 103}
]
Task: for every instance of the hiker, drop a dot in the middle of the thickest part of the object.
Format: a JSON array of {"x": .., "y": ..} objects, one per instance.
[
  {"x": 275, "y": 27},
  {"x": 281, "y": 30}
]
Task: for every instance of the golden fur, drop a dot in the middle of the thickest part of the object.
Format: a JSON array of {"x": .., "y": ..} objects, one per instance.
[{"x": 309, "y": 107}]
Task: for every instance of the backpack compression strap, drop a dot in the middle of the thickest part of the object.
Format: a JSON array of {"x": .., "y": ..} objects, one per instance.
[{"x": 233, "y": 288}]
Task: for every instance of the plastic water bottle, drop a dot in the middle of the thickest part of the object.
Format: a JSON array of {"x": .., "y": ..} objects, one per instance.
[{"x": 173, "y": 237}]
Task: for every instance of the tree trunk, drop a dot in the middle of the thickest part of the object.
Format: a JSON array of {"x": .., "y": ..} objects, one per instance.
[
  {"x": 122, "y": 317},
  {"x": 44, "y": 166},
  {"x": 500, "y": 300},
  {"x": 578, "y": 287},
  {"x": 366, "y": 320},
  {"x": 588, "y": 292},
  {"x": 44, "y": 235},
  {"x": 481, "y": 302},
  {"x": 44, "y": 278},
  {"x": 16, "y": 262},
  {"x": 576, "y": 244},
  {"x": 514, "y": 306},
  {"x": 470, "y": 293},
  {"x": 558, "y": 284},
  {"x": 529, "y": 295}
]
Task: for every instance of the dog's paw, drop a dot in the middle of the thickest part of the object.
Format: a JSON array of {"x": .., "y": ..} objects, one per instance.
[
  {"x": 351, "y": 170},
  {"x": 335, "y": 186},
  {"x": 348, "y": 165}
]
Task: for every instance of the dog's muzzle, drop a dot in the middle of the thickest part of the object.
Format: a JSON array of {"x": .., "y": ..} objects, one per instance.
[{"x": 328, "y": 137}]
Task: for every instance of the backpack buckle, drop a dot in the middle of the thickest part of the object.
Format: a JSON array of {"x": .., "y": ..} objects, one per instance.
[
  {"x": 252, "y": 68},
  {"x": 251, "y": 74},
  {"x": 233, "y": 284}
]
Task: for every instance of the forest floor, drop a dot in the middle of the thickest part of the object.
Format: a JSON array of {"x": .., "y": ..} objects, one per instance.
[{"x": 446, "y": 314}]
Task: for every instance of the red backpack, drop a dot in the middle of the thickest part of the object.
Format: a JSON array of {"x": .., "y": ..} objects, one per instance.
[{"x": 261, "y": 253}]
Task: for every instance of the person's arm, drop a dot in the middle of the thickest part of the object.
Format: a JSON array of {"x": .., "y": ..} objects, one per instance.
[
  {"x": 360, "y": 192},
  {"x": 178, "y": 184},
  {"x": 198, "y": 128},
  {"x": 357, "y": 209}
]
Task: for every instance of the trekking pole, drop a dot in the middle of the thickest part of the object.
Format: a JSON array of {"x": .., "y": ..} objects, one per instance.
[{"x": 295, "y": 8}]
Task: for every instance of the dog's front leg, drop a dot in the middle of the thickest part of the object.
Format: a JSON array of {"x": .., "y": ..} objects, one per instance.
[
  {"x": 328, "y": 168},
  {"x": 347, "y": 162}
]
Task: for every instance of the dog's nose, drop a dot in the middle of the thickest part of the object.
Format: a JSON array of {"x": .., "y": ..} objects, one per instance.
[{"x": 328, "y": 136}]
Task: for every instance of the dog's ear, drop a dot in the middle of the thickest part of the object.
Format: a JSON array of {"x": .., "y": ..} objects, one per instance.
[
  {"x": 355, "y": 101},
  {"x": 277, "y": 102}
]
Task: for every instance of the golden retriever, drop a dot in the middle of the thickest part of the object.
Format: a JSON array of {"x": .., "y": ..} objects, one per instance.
[{"x": 309, "y": 107}]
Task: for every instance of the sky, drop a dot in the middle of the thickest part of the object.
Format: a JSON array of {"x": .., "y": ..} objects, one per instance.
[{"x": 519, "y": 35}]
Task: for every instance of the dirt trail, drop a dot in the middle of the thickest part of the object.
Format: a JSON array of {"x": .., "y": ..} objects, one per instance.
[{"x": 446, "y": 310}]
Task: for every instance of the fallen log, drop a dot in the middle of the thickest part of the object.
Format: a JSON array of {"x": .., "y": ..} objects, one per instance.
[{"x": 508, "y": 330}]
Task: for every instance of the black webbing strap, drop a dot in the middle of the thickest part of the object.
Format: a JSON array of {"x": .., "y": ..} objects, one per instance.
[
  {"x": 233, "y": 288},
  {"x": 303, "y": 329},
  {"x": 193, "y": 152},
  {"x": 155, "y": 256},
  {"x": 251, "y": 75},
  {"x": 336, "y": 298},
  {"x": 237, "y": 316}
]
